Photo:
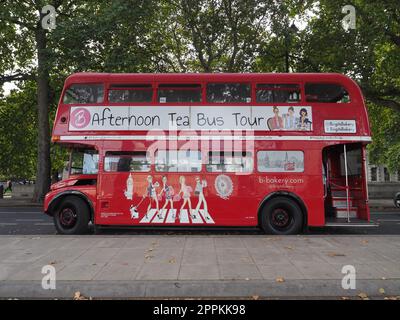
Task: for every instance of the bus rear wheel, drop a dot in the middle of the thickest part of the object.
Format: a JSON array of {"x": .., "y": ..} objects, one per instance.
[
  {"x": 281, "y": 216},
  {"x": 72, "y": 216}
]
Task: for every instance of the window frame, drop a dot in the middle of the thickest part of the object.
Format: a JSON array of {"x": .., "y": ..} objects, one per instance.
[
  {"x": 280, "y": 172},
  {"x": 126, "y": 155},
  {"x": 88, "y": 84},
  {"x": 130, "y": 86},
  {"x": 327, "y": 83},
  {"x": 207, "y": 162},
  {"x": 154, "y": 163},
  {"x": 250, "y": 83},
  {"x": 171, "y": 86},
  {"x": 300, "y": 88}
]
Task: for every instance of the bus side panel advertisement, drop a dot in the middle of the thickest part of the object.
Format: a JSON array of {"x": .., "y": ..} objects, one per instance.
[{"x": 125, "y": 118}]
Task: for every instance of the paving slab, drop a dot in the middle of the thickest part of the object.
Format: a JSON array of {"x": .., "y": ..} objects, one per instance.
[{"x": 199, "y": 266}]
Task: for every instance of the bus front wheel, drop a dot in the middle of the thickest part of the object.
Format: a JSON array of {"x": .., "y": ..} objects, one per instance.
[
  {"x": 72, "y": 216},
  {"x": 281, "y": 216}
]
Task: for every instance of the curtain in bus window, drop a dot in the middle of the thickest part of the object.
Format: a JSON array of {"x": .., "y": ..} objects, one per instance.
[
  {"x": 326, "y": 92},
  {"x": 228, "y": 92},
  {"x": 127, "y": 162},
  {"x": 179, "y": 93},
  {"x": 84, "y": 93},
  {"x": 284, "y": 93},
  {"x": 229, "y": 162},
  {"x": 130, "y": 93},
  {"x": 178, "y": 160}
]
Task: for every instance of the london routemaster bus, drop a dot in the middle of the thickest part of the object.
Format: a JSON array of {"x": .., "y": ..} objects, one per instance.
[{"x": 277, "y": 151}]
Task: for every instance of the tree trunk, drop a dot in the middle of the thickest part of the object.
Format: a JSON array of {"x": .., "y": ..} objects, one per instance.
[{"x": 43, "y": 156}]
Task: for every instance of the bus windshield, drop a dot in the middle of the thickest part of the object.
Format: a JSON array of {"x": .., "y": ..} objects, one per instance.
[{"x": 84, "y": 162}]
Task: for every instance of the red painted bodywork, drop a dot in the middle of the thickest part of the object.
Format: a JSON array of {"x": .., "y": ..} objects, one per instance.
[{"x": 241, "y": 209}]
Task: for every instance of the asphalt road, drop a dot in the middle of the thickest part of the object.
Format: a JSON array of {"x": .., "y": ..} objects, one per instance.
[{"x": 32, "y": 221}]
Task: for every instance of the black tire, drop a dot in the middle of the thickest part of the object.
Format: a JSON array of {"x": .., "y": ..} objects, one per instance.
[
  {"x": 72, "y": 216},
  {"x": 397, "y": 200},
  {"x": 281, "y": 216}
]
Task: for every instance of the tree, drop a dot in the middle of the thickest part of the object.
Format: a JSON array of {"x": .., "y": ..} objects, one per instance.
[{"x": 26, "y": 41}]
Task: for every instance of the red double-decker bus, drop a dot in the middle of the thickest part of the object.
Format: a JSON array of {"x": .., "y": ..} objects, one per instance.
[{"x": 276, "y": 151}]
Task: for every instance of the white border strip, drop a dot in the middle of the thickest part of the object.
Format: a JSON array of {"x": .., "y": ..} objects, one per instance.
[{"x": 207, "y": 137}]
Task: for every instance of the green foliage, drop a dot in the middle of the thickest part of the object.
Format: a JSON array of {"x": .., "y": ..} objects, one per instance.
[
  {"x": 18, "y": 131},
  {"x": 196, "y": 36}
]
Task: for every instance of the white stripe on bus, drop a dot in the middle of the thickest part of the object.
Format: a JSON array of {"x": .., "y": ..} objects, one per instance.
[{"x": 217, "y": 138}]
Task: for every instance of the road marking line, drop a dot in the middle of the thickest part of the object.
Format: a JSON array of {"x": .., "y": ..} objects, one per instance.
[
  {"x": 23, "y": 212},
  {"x": 44, "y": 224},
  {"x": 389, "y": 220},
  {"x": 32, "y": 220},
  {"x": 7, "y": 224}
]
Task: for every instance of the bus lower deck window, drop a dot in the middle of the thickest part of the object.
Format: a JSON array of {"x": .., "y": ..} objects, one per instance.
[
  {"x": 84, "y": 162},
  {"x": 228, "y": 92},
  {"x": 127, "y": 162},
  {"x": 178, "y": 161},
  {"x": 229, "y": 162}
]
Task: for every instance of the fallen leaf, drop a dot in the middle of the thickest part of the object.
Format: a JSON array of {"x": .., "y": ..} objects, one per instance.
[
  {"x": 147, "y": 256},
  {"x": 247, "y": 279},
  {"x": 334, "y": 254},
  {"x": 79, "y": 296},
  {"x": 289, "y": 247},
  {"x": 345, "y": 298},
  {"x": 255, "y": 297},
  {"x": 280, "y": 279},
  {"x": 53, "y": 263},
  {"x": 172, "y": 260},
  {"x": 363, "y": 295},
  {"x": 364, "y": 241},
  {"x": 383, "y": 278},
  {"x": 382, "y": 291}
]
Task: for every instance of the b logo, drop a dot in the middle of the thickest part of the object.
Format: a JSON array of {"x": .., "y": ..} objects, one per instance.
[{"x": 80, "y": 118}]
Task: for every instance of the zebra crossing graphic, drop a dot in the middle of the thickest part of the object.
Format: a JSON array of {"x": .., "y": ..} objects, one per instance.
[{"x": 172, "y": 216}]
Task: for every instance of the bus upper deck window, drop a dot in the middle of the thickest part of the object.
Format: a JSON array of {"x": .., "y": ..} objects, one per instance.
[
  {"x": 326, "y": 93},
  {"x": 84, "y": 93},
  {"x": 130, "y": 93},
  {"x": 284, "y": 93},
  {"x": 228, "y": 92},
  {"x": 179, "y": 93}
]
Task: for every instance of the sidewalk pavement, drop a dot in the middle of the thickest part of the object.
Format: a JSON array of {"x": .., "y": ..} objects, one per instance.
[{"x": 142, "y": 266}]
